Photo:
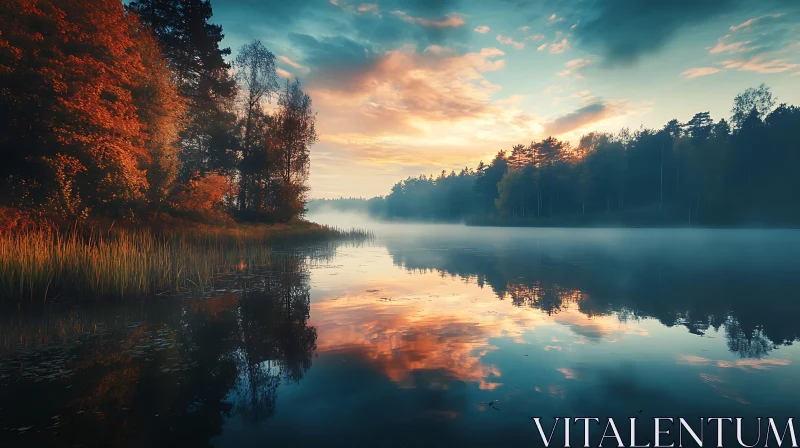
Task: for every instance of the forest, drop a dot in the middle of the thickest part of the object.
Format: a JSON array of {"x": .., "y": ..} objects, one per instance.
[
  {"x": 132, "y": 114},
  {"x": 736, "y": 172}
]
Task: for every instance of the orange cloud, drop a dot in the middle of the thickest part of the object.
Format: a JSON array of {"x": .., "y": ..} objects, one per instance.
[
  {"x": 733, "y": 47},
  {"x": 401, "y": 331},
  {"x": 744, "y": 364},
  {"x": 746, "y": 24},
  {"x": 483, "y": 29},
  {"x": 434, "y": 105},
  {"x": 574, "y": 66},
  {"x": 509, "y": 41},
  {"x": 699, "y": 71},
  {"x": 435, "y": 85},
  {"x": 404, "y": 335},
  {"x": 568, "y": 374},
  {"x": 559, "y": 47},
  {"x": 759, "y": 64},
  {"x": 364, "y": 7},
  {"x": 290, "y": 62},
  {"x": 451, "y": 20},
  {"x": 283, "y": 73}
]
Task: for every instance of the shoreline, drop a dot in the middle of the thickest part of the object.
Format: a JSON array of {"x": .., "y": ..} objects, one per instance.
[{"x": 44, "y": 264}]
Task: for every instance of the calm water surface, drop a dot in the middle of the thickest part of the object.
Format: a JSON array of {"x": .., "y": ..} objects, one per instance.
[{"x": 430, "y": 335}]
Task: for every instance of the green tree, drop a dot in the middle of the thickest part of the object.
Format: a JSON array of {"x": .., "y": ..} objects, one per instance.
[
  {"x": 255, "y": 71},
  {"x": 192, "y": 47},
  {"x": 486, "y": 183},
  {"x": 758, "y": 98}
]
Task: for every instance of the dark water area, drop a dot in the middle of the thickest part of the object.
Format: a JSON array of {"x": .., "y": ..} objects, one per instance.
[{"x": 430, "y": 335}]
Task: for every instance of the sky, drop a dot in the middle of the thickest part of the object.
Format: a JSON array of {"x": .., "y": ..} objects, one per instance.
[{"x": 410, "y": 87}]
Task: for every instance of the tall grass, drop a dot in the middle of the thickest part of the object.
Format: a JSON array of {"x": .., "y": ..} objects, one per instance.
[{"x": 44, "y": 264}]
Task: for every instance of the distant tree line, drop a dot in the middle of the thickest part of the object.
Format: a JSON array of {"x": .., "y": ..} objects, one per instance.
[
  {"x": 738, "y": 172},
  {"x": 132, "y": 112}
]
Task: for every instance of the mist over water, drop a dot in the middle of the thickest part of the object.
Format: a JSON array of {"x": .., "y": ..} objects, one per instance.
[
  {"x": 747, "y": 249},
  {"x": 431, "y": 334}
]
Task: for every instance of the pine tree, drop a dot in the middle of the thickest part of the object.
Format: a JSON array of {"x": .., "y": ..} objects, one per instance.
[{"x": 192, "y": 47}]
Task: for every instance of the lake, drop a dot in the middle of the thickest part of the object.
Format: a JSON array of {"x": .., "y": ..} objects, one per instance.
[{"x": 428, "y": 335}]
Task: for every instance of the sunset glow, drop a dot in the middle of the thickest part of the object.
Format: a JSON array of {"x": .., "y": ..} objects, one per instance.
[{"x": 407, "y": 88}]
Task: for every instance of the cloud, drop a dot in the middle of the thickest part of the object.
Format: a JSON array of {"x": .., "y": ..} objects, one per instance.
[
  {"x": 524, "y": 28},
  {"x": 450, "y": 21},
  {"x": 483, "y": 29},
  {"x": 335, "y": 61},
  {"x": 357, "y": 9},
  {"x": 568, "y": 373},
  {"x": 574, "y": 66},
  {"x": 559, "y": 47},
  {"x": 421, "y": 22},
  {"x": 733, "y": 47},
  {"x": 589, "y": 114},
  {"x": 553, "y": 89},
  {"x": 419, "y": 111},
  {"x": 620, "y": 32},
  {"x": 746, "y": 25},
  {"x": 390, "y": 31},
  {"x": 509, "y": 41},
  {"x": 535, "y": 37},
  {"x": 290, "y": 62},
  {"x": 762, "y": 44},
  {"x": 581, "y": 94},
  {"x": 424, "y": 107},
  {"x": 405, "y": 87},
  {"x": 365, "y": 7},
  {"x": 699, "y": 71},
  {"x": 744, "y": 364},
  {"x": 758, "y": 35},
  {"x": 624, "y": 30},
  {"x": 759, "y": 64},
  {"x": 541, "y": 47},
  {"x": 283, "y": 73},
  {"x": 584, "y": 96}
]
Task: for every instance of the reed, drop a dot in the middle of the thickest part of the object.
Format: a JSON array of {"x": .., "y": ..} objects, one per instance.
[{"x": 43, "y": 264}]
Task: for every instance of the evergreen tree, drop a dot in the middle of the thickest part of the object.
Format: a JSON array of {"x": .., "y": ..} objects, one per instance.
[{"x": 192, "y": 47}]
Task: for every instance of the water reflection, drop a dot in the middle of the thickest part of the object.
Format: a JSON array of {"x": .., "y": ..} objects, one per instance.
[
  {"x": 276, "y": 342},
  {"x": 453, "y": 337},
  {"x": 749, "y": 296},
  {"x": 157, "y": 374}
]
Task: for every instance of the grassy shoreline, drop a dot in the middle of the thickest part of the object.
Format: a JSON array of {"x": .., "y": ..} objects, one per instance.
[{"x": 43, "y": 264}]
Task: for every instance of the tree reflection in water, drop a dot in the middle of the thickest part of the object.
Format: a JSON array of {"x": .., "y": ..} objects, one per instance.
[
  {"x": 164, "y": 374},
  {"x": 277, "y": 343},
  {"x": 748, "y": 298}
]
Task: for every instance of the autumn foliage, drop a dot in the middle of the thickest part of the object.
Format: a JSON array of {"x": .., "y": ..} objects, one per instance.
[
  {"x": 87, "y": 106},
  {"x": 202, "y": 198},
  {"x": 110, "y": 112}
]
